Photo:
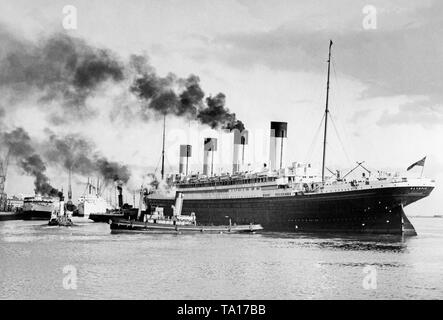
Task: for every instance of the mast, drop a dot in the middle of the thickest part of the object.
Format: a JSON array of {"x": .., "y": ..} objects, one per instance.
[
  {"x": 163, "y": 149},
  {"x": 326, "y": 116},
  {"x": 281, "y": 153},
  {"x": 187, "y": 159},
  {"x": 187, "y": 147},
  {"x": 69, "y": 186},
  {"x": 212, "y": 162}
]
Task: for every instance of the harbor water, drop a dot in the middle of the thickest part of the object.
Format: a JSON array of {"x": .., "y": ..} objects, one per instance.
[{"x": 86, "y": 261}]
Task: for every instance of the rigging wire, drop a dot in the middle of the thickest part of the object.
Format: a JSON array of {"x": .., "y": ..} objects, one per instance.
[
  {"x": 169, "y": 165},
  {"x": 340, "y": 124},
  {"x": 156, "y": 167},
  {"x": 339, "y": 139},
  {"x": 337, "y": 82},
  {"x": 314, "y": 140}
]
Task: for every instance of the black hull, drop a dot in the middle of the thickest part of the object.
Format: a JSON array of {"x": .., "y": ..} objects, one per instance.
[
  {"x": 359, "y": 211},
  {"x": 36, "y": 215},
  {"x": 128, "y": 226},
  {"x": 106, "y": 217},
  {"x": 5, "y": 216},
  {"x": 61, "y": 221}
]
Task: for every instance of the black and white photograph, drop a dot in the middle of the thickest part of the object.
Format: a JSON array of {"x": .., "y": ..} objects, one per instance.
[{"x": 221, "y": 150}]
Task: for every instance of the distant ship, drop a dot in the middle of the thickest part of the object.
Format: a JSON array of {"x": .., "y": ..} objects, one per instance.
[
  {"x": 123, "y": 210},
  {"x": 38, "y": 207},
  {"x": 92, "y": 202},
  {"x": 293, "y": 198}
]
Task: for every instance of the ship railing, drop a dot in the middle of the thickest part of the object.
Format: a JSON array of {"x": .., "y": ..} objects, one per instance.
[{"x": 368, "y": 184}]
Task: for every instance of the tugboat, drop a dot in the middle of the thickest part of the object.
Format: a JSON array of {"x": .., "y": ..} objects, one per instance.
[
  {"x": 62, "y": 215},
  {"x": 124, "y": 211},
  {"x": 92, "y": 202},
  {"x": 154, "y": 221}
]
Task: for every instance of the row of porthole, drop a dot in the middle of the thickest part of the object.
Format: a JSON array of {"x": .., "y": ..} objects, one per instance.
[{"x": 329, "y": 220}]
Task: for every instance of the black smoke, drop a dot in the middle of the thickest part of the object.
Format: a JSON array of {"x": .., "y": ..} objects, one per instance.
[
  {"x": 20, "y": 148},
  {"x": 216, "y": 115},
  {"x": 75, "y": 153},
  {"x": 171, "y": 95},
  {"x": 59, "y": 69},
  {"x": 59, "y": 73},
  {"x": 113, "y": 171},
  {"x": 63, "y": 72}
]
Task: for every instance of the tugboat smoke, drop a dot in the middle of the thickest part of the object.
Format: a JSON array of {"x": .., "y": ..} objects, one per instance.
[
  {"x": 20, "y": 147},
  {"x": 58, "y": 69},
  {"x": 79, "y": 155}
]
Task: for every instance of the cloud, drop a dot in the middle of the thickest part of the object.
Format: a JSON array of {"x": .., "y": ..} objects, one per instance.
[
  {"x": 402, "y": 60},
  {"x": 425, "y": 112}
]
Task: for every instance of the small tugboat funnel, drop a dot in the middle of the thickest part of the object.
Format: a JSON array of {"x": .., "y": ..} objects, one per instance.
[
  {"x": 277, "y": 145},
  {"x": 120, "y": 197},
  {"x": 240, "y": 143},
  {"x": 61, "y": 204},
  {"x": 210, "y": 147},
  {"x": 185, "y": 154},
  {"x": 140, "y": 204}
]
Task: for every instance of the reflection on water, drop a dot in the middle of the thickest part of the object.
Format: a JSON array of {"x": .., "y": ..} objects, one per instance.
[
  {"x": 201, "y": 266},
  {"x": 393, "y": 243}
]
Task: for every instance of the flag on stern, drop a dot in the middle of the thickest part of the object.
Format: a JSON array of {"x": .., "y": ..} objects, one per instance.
[{"x": 418, "y": 163}]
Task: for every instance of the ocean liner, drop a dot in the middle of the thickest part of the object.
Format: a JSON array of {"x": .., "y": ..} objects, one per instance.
[
  {"x": 38, "y": 207},
  {"x": 293, "y": 198},
  {"x": 92, "y": 201}
]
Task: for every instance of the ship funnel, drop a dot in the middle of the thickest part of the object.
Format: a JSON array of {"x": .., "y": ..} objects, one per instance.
[
  {"x": 120, "y": 197},
  {"x": 210, "y": 147},
  {"x": 277, "y": 146},
  {"x": 140, "y": 204},
  {"x": 240, "y": 144},
  {"x": 61, "y": 211},
  {"x": 185, "y": 154}
]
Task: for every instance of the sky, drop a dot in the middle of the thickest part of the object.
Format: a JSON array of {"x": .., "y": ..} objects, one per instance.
[{"x": 269, "y": 59}]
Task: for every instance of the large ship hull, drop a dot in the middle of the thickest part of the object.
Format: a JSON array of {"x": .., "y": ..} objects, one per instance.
[
  {"x": 113, "y": 214},
  {"x": 37, "y": 210},
  {"x": 36, "y": 215},
  {"x": 92, "y": 206},
  {"x": 377, "y": 210}
]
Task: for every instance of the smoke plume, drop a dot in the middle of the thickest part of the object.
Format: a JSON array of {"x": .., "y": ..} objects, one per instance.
[
  {"x": 59, "y": 69},
  {"x": 60, "y": 74},
  {"x": 171, "y": 95},
  {"x": 20, "y": 148},
  {"x": 66, "y": 71},
  {"x": 215, "y": 114},
  {"x": 75, "y": 153}
]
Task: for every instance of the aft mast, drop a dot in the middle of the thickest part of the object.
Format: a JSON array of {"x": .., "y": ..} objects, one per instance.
[
  {"x": 326, "y": 116},
  {"x": 163, "y": 148},
  {"x": 69, "y": 186}
]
